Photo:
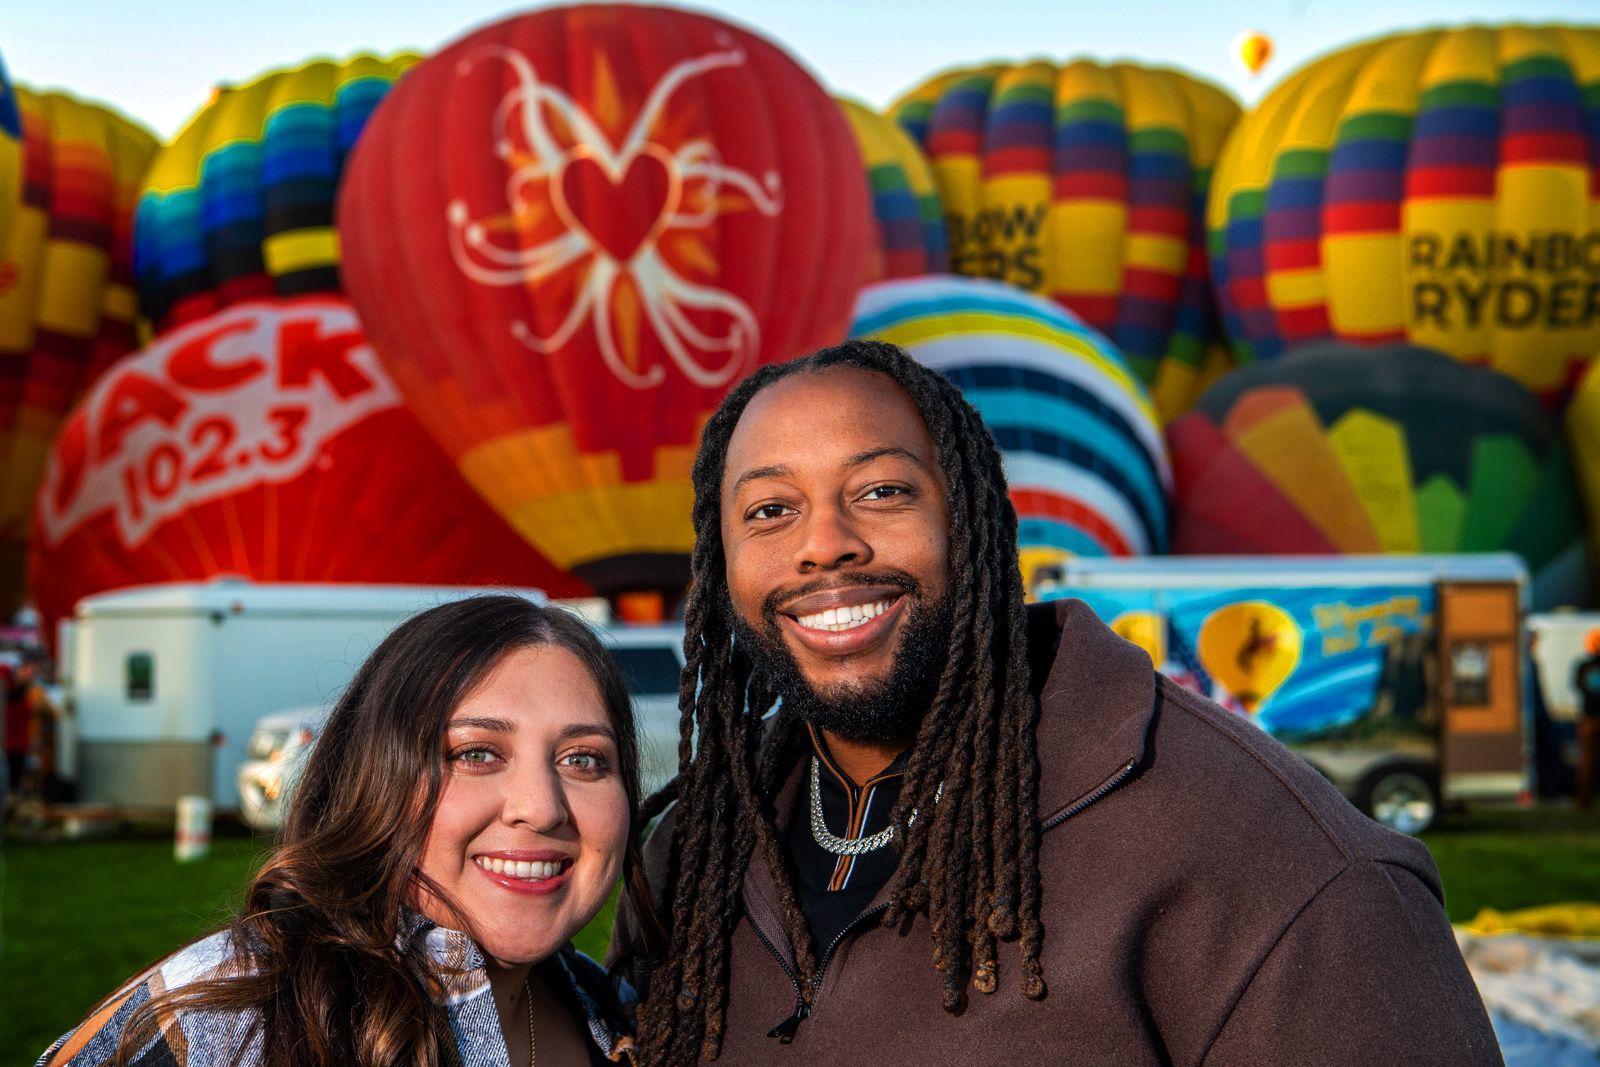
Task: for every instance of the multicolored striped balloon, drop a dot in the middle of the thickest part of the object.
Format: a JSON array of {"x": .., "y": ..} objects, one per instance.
[
  {"x": 67, "y": 303},
  {"x": 1085, "y": 183},
  {"x": 1338, "y": 449},
  {"x": 1083, "y": 450},
  {"x": 905, "y": 199},
  {"x": 1440, "y": 187},
  {"x": 240, "y": 205}
]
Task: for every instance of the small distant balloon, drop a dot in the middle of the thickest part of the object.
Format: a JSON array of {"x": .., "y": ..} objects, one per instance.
[{"x": 1251, "y": 50}]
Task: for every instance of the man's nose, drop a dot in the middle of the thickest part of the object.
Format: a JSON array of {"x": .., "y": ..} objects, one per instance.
[{"x": 831, "y": 540}]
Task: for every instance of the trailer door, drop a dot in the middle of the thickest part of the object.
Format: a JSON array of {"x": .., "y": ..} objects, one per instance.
[{"x": 1482, "y": 752}]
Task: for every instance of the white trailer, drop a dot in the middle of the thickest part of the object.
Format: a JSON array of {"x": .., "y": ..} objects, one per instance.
[{"x": 166, "y": 682}]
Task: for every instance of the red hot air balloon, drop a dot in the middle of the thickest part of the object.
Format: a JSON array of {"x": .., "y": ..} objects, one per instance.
[
  {"x": 570, "y": 232},
  {"x": 265, "y": 441}
]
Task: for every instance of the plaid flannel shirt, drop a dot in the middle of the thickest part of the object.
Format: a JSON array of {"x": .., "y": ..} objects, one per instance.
[{"x": 224, "y": 1039}]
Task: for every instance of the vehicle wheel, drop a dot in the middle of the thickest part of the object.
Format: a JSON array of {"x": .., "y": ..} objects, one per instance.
[{"x": 1400, "y": 797}]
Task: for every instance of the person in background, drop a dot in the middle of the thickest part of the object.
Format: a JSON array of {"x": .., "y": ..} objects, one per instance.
[
  {"x": 18, "y": 724},
  {"x": 1586, "y": 679},
  {"x": 468, "y": 808}
]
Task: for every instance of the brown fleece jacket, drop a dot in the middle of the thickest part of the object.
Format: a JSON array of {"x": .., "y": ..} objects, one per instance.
[{"x": 1209, "y": 899}]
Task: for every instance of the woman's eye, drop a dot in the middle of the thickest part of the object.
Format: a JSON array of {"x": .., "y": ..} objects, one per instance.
[
  {"x": 476, "y": 757},
  {"x": 585, "y": 762}
]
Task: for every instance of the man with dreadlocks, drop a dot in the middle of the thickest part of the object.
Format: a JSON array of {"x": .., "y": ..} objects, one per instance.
[{"x": 949, "y": 770}]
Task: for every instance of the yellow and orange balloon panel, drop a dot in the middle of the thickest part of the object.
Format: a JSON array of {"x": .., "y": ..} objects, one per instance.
[
  {"x": 1086, "y": 183},
  {"x": 1336, "y": 449},
  {"x": 67, "y": 303},
  {"x": 905, "y": 198},
  {"x": 1436, "y": 187}
]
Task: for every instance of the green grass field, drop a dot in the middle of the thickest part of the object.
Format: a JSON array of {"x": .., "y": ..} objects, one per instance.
[{"x": 79, "y": 917}]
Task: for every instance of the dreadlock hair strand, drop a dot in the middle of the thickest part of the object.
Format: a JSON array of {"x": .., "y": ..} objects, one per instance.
[{"x": 966, "y": 823}]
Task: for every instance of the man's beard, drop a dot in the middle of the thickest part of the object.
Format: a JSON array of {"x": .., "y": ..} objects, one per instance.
[{"x": 888, "y": 709}]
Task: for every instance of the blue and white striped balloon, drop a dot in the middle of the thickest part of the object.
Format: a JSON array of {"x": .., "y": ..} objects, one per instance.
[{"x": 1084, "y": 452}]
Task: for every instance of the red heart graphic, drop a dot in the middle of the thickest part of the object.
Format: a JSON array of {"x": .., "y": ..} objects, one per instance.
[{"x": 619, "y": 214}]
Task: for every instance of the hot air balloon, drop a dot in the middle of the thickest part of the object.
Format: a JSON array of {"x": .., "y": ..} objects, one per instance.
[
  {"x": 67, "y": 304},
  {"x": 1339, "y": 449},
  {"x": 263, "y": 441},
  {"x": 571, "y": 232},
  {"x": 1250, "y": 647},
  {"x": 1251, "y": 50},
  {"x": 1438, "y": 187},
  {"x": 905, "y": 199},
  {"x": 1084, "y": 455},
  {"x": 1086, "y": 183},
  {"x": 240, "y": 204}
]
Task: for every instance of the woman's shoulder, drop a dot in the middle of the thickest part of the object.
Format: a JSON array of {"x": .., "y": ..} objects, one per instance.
[
  {"x": 206, "y": 1038},
  {"x": 606, "y": 1004}
]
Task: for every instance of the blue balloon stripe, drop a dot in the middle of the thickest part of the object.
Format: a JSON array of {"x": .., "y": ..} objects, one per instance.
[
  {"x": 1041, "y": 533},
  {"x": 1017, "y": 410}
]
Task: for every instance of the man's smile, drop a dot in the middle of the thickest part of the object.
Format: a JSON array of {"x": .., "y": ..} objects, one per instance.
[{"x": 844, "y": 622}]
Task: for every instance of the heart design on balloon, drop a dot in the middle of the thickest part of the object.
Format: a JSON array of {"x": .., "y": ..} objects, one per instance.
[
  {"x": 621, "y": 212},
  {"x": 614, "y": 202}
]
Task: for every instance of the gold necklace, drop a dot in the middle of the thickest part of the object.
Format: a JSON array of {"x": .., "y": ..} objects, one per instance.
[{"x": 532, "y": 1053}]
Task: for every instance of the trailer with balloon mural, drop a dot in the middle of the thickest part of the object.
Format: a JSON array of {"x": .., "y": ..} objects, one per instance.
[{"x": 1403, "y": 679}]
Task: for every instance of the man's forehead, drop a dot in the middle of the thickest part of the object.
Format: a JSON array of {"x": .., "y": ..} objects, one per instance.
[{"x": 829, "y": 415}]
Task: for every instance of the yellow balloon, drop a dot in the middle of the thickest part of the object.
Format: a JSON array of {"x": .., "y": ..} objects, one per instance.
[
  {"x": 1251, "y": 50},
  {"x": 1146, "y": 629},
  {"x": 1251, "y": 648}
]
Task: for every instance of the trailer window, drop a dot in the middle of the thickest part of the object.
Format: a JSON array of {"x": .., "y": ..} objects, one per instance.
[
  {"x": 648, "y": 670},
  {"x": 141, "y": 676}
]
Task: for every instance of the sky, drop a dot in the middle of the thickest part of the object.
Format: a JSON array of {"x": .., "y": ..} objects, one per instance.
[{"x": 156, "y": 60}]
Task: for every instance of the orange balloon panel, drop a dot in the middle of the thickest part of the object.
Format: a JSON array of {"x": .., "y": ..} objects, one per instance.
[{"x": 265, "y": 441}]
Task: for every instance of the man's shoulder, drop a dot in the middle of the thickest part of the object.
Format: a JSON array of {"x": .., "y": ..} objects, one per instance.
[{"x": 1193, "y": 780}]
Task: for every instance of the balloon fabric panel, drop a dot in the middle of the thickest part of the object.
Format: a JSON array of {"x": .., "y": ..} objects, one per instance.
[
  {"x": 264, "y": 441},
  {"x": 1436, "y": 186},
  {"x": 1398, "y": 449},
  {"x": 1086, "y": 183},
  {"x": 240, "y": 205},
  {"x": 67, "y": 306},
  {"x": 905, "y": 200}
]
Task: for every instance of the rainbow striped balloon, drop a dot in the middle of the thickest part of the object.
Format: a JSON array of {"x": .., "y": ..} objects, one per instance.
[
  {"x": 905, "y": 200},
  {"x": 1086, "y": 183},
  {"x": 241, "y": 203},
  {"x": 1440, "y": 187},
  {"x": 1083, "y": 450},
  {"x": 67, "y": 303}
]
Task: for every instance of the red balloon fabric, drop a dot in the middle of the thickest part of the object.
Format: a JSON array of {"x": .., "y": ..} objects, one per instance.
[
  {"x": 571, "y": 232},
  {"x": 264, "y": 441}
]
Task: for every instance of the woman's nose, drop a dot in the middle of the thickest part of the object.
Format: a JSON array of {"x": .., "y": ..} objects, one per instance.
[
  {"x": 536, "y": 800},
  {"x": 831, "y": 540}
]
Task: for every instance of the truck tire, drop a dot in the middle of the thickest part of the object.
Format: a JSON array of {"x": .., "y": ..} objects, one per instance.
[{"x": 1401, "y": 796}]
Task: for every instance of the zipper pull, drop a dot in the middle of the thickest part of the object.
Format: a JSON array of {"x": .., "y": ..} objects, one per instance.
[{"x": 784, "y": 1031}]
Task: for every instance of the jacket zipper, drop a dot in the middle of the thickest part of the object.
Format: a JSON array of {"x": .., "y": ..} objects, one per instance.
[
  {"x": 1105, "y": 787},
  {"x": 785, "y": 1030}
]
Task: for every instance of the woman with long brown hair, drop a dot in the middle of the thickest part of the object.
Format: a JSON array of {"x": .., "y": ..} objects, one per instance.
[{"x": 471, "y": 803}]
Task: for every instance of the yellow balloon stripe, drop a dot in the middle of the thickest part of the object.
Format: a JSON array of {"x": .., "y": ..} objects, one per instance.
[{"x": 1372, "y": 450}]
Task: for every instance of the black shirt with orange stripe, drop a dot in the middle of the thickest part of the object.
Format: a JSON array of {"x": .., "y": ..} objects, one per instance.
[{"x": 833, "y": 890}]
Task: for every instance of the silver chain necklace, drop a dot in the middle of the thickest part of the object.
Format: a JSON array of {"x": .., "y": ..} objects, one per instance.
[{"x": 841, "y": 846}]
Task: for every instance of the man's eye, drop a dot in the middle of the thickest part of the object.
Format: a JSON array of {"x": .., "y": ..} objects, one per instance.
[
  {"x": 883, "y": 492},
  {"x": 770, "y": 511}
]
